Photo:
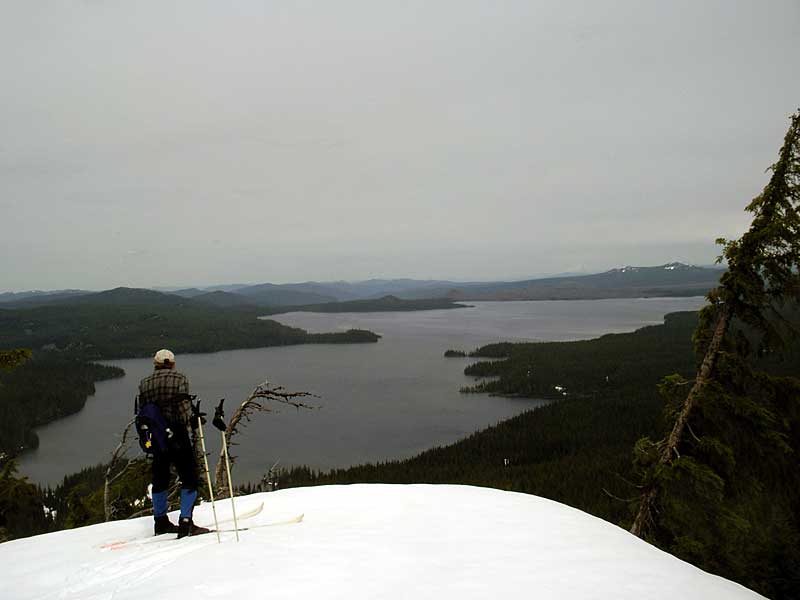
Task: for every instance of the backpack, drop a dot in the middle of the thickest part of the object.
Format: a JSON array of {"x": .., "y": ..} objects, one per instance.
[{"x": 152, "y": 429}]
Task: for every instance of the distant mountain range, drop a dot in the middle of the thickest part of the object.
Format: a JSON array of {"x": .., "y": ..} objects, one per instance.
[
  {"x": 35, "y": 296},
  {"x": 671, "y": 279}
]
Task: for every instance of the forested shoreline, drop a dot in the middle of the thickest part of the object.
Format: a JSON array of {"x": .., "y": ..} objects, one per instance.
[
  {"x": 123, "y": 323},
  {"x": 614, "y": 363},
  {"x": 43, "y": 389},
  {"x": 605, "y": 403},
  {"x": 135, "y": 323}
]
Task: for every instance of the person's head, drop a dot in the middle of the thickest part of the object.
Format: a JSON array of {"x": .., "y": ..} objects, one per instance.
[{"x": 164, "y": 359}]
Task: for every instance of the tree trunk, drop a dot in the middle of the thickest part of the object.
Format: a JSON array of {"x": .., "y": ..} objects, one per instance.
[
  {"x": 670, "y": 450},
  {"x": 107, "y": 501}
]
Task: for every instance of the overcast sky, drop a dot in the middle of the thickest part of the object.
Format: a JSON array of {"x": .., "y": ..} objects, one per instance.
[{"x": 187, "y": 143}]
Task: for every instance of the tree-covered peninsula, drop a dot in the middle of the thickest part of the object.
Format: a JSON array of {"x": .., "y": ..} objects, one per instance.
[{"x": 128, "y": 323}]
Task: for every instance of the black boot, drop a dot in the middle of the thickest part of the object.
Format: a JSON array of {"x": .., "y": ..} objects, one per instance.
[
  {"x": 186, "y": 528},
  {"x": 164, "y": 525}
]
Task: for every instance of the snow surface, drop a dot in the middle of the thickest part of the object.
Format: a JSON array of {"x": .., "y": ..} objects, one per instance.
[{"x": 362, "y": 541}]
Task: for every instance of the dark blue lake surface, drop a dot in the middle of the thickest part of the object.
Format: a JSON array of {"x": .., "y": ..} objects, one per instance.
[{"x": 378, "y": 401}]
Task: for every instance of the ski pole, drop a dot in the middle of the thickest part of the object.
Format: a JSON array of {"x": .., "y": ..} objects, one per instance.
[
  {"x": 208, "y": 475},
  {"x": 219, "y": 423}
]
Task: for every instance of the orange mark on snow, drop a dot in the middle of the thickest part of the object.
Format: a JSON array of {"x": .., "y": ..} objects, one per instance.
[{"x": 114, "y": 545}]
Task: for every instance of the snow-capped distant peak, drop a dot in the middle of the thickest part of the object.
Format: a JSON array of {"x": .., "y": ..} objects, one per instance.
[
  {"x": 625, "y": 269},
  {"x": 363, "y": 541},
  {"x": 677, "y": 266},
  {"x": 673, "y": 266}
]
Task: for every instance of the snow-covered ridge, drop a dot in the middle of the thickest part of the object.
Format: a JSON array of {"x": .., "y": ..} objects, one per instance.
[{"x": 363, "y": 541}]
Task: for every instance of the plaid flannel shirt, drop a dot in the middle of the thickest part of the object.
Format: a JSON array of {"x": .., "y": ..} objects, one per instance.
[{"x": 169, "y": 390}]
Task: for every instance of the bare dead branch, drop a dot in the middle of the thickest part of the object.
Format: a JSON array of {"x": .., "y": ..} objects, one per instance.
[
  {"x": 691, "y": 431},
  {"x": 613, "y": 497},
  {"x": 259, "y": 400},
  {"x": 683, "y": 383},
  {"x": 116, "y": 456},
  {"x": 142, "y": 513},
  {"x": 630, "y": 483}
]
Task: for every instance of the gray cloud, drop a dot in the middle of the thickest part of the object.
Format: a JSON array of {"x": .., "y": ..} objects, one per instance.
[{"x": 155, "y": 143}]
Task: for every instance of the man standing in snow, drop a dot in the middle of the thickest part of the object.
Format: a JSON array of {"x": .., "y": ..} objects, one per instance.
[{"x": 169, "y": 391}]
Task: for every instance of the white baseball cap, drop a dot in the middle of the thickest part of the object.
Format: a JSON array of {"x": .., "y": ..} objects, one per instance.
[{"x": 164, "y": 356}]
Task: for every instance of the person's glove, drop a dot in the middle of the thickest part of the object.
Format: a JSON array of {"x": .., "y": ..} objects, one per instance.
[
  {"x": 197, "y": 415},
  {"x": 219, "y": 417}
]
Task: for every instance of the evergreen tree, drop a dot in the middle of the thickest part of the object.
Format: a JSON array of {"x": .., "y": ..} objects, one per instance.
[
  {"x": 21, "y": 509},
  {"x": 722, "y": 489}
]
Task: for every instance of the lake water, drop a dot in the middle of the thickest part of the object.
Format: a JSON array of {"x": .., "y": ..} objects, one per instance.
[{"x": 378, "y": 401}]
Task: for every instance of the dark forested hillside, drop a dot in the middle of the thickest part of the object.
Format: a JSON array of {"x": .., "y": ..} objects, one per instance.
[
  {"x": 125, "y": 323},
  {"x": 45, "y": 388}
]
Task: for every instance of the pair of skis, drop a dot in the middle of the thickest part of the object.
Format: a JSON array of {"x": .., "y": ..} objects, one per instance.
[
  {"x": 219, "y": 423},
  {"x": 252, "y": 513},
  {"x": 122, "y": 544}
]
